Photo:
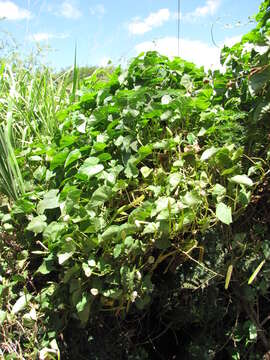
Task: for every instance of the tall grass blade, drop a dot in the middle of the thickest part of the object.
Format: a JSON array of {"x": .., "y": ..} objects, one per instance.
[
  {"x": 75, "y": 77},
  {"x": 11, "y": 180}
]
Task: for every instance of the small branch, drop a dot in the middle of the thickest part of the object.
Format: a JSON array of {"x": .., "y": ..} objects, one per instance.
[{"x": 265, "y": 320}]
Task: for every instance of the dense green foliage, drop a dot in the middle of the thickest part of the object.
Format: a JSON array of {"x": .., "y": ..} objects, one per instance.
[{"x": 139, "y": 196}]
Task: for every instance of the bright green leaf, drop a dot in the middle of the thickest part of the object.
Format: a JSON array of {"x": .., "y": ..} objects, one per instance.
[
  {"x": 82, "y": 303},
  {"x": 37, "y": 224},
  {"x": 174, "y": 180},
  {"x": 3, "y": 316},
  {"x": 101, "y": 195},
  {"x": 111, "y": 232},
  {"x": 59, "y": 159},
  {"x": 207, "y": 154},
  {"x": 224, "y": 213},
  {"x": 72, "y": 156},
  {"x": 218, "y": 190},
  {"x": 67, "y": 140},
  {"x": 117, "y": 250},
  {"x": 146, "y": 171},
  {"x": 53, "y": 230},
  {"x": 90, "y": 168},
  {"x": 66, "y": 252},
  {"x": 242, "y": 179},
  {"x": 47, "y": 266},
  {"x": 21, "y": 303},
  {"x": 50, "y": 201},
  {"x": 145, "y": 150}
]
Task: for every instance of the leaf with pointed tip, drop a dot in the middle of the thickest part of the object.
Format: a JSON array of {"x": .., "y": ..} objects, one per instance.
[
  {"x": 207, "y": 154},
  {"x": 90, "y": 168},
  {"x": 74, "y": 155},
  {"x": 224, "y": 213},
  {"x": 21, "y": 303},
  {"x": 242, "y": 179},
  {"x": 50, "y": 201}
]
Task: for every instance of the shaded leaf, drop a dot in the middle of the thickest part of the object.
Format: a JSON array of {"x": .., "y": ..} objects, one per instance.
[{"x": 259, "y": 79}]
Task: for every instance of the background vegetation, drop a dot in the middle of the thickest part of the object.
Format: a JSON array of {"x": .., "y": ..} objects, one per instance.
[{"x": 134, "y": 208}]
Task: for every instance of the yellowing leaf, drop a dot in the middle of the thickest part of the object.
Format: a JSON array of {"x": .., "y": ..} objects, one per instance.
[
  {"x": 256, "y": 272},
  {"x": 228, "y": 276}
]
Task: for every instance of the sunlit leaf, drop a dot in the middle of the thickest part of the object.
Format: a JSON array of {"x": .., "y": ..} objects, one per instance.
[
  {"x": 207, "y": 154},
  {"x": 50, "y": 201},
  {"x": 37, "y": 224},
  {"x": 166, "y": 99},
  {"x": 224, "y": 213},
  {"x": 21, "y": 303},
  {"x": 146, "y": 171},
  {"x": 59, "y": 159},
  {"x": 90, "y": 168},
  {"x": 242, "y": 179},
  {"x": 66, "y": 252},
  {"x": 3, "y": 316},
  {"x": 74, "y": 155}
]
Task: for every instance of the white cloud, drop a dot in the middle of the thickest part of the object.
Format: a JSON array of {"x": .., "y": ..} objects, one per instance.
[
  {"x": 98, "y": 10},
  {"x": 104, "y": 61},
  {"x": 69, "y": 11},
  {"x": 156, "y": 19},
  {"x": 232, "y": 40},
  {"x": 198, "y": 52},
  {"x": 210, "y": 8},
  {"x": 43, "y": 36},
  {"x": 11, "y": 11},
  {"x": 174, "y": 16},
  {"x": 191, "y": 50}
]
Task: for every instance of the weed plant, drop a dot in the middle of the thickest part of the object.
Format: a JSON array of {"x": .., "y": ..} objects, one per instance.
[{"x": 135, "y": 196}]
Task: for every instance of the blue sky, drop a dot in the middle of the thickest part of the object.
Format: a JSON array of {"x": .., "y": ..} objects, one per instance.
[{"x": 118, "y": 30}]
